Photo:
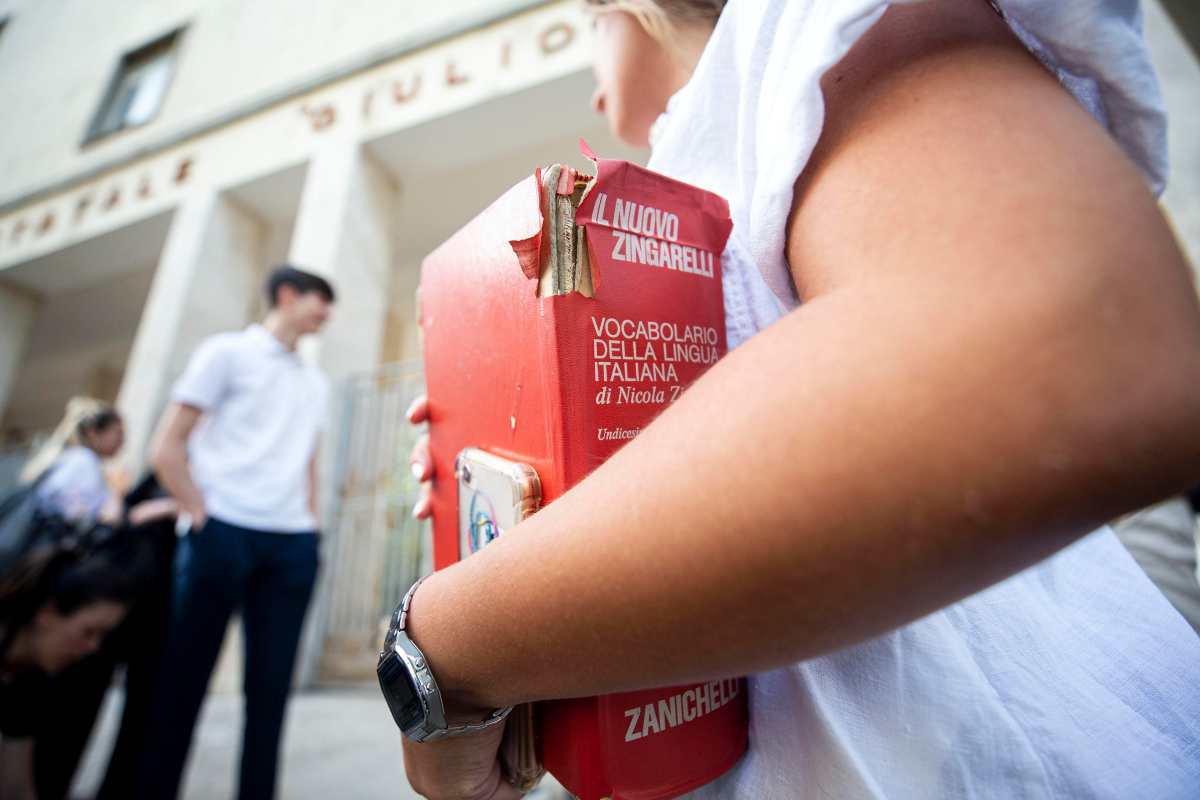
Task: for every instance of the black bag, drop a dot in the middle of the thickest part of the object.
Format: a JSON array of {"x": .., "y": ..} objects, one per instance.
[
  {"x": 23, "y": 526},
  {"x": 18, "y": 523}
]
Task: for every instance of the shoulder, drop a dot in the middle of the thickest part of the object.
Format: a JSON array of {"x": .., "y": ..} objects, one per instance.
[
  {"x": 219, "y": 351},
  {"x": 222, "y": 343},
  {"x": 940, "y": 130},
  {"x": 208, "y": 371},
  {"x": 78, "y": 455},
  {"x": 75, "y": 463}
]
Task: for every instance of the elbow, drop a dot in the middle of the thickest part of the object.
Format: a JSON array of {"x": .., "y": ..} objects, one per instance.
[
  {"x": 1154, "y": 414},
  {"x": 1138, "y": 388},
  {"x": 1094, "y": 384},
  {"x": 161, "y": 453}
]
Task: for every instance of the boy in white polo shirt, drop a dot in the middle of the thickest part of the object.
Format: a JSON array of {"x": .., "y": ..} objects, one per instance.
[{"x": 237, "y": 448}]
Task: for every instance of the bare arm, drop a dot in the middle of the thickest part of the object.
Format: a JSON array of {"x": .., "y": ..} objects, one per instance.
[
  {"x": 151, "y": 510},
  {"x": 999, "y": 352},
  {"x": 16, "y": 770},
  {"x": 168, "y": 454}
]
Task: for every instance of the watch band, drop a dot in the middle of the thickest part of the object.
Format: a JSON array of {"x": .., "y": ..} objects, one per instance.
[
  {"x": 400, "y": 617},
  {"x": 435, "y": 725}
]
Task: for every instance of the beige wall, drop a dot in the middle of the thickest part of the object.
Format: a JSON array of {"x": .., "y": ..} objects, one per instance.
[
  {"x": 17, "y": 310},
  {"x": 78, "y": 343},
  {"x": 538, "y": 48},
  {"x": 56, "y": 57}
]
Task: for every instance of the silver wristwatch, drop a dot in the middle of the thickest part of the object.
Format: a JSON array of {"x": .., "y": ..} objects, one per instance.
[{"x": 409, "y": 687}]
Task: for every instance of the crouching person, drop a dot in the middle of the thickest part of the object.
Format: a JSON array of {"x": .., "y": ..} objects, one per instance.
[{"x": 56, "y": 607}]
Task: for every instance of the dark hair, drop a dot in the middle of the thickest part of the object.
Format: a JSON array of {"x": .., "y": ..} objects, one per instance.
[
  {"x": 98, "y": 420},
  {"x": 303, "y": 282},
  {"x": 66, "y": 576}
]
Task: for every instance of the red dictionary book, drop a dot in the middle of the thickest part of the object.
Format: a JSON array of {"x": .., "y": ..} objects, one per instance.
[{"x": 556, "y": 325}]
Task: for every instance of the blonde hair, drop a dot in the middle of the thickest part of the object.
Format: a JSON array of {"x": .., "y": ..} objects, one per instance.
[
  {"x": 659, "y": 18},
  {"x": 79, "y": 416}
]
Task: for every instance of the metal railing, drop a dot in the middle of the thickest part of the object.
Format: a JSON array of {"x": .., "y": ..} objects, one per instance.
[{"x": 375, "y": 549}]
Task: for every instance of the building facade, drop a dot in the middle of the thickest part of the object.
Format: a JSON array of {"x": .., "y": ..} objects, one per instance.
[
  {"x": 159, "y": 157},
  {"x": 139, "y": 209},
  {"x": 169, "y": 153}
]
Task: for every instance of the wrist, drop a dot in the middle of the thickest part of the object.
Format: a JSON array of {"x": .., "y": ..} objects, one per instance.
[
  {"x": 196, "y": 513},
  {"x": 463, "y": 703},
  {"x": 421, "y": 708}
]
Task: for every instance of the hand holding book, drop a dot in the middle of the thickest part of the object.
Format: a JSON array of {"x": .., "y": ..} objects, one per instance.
[{"x": 420, "y": 459}]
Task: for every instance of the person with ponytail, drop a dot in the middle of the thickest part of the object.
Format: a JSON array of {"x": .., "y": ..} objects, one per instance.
[
  {"x": 134, "y": 536},
  {"x": 70, "y": 464},
  {"x": 69, "y": 469}
]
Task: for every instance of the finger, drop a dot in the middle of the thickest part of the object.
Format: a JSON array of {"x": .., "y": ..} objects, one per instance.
[
  {"x": 418, "y": 412},
  {"x": 421, "y": 460},
  {"x": 423, "y": 509}
]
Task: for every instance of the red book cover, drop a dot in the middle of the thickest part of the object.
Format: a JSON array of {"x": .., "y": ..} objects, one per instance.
[{"x": 556, "y": 325}]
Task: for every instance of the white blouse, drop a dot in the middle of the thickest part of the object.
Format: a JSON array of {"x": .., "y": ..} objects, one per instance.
[
  {"x": 1074, "y": 678},
  {"x": 75, "y": 487}
]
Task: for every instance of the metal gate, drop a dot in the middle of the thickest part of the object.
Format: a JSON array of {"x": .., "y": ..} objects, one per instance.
[{"x": 375, "y": 549}]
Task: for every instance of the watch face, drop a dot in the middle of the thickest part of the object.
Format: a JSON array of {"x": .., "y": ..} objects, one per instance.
[{"x": 406, "y": 707}]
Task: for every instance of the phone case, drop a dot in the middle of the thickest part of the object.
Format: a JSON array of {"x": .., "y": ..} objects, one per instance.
[{"x": 494, "y": 494}]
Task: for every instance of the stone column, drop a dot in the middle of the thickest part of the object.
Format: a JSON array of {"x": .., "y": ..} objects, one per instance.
[
  {"x": 203, "y": 285},
  {"x": 402, "y": 342},
  {"x": 343, "y": 232},
  {"x": 17, "y": 309}
]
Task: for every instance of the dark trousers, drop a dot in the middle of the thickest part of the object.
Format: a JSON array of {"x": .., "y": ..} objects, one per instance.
[
  {"x": 78, "y": 691},
  {"x": 269, "y": 577}
]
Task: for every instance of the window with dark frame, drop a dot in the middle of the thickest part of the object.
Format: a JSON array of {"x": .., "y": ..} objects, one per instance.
[{"x": 136, "y": 91}]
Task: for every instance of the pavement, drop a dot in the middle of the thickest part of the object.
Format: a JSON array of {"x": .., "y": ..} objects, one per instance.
[{"x": 340, "y": 742}]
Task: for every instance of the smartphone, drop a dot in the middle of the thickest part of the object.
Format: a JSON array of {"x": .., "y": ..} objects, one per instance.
[{"x": 494, "y": 494}]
